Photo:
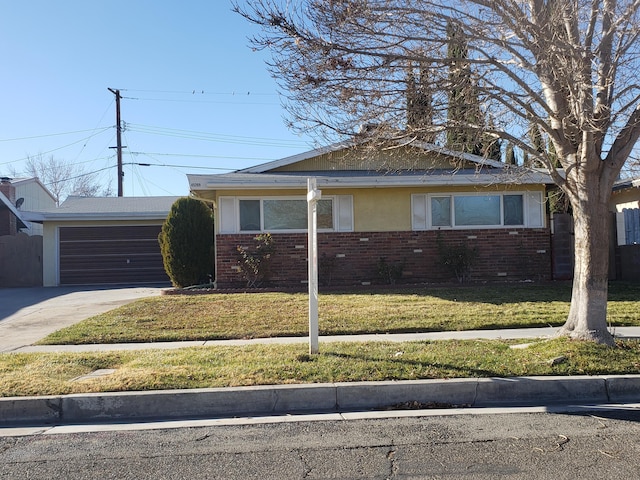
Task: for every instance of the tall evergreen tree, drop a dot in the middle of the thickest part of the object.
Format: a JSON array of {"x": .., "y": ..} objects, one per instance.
[
  {"x": 465, "y": 117},
  {"x": 419, "y": 104}
]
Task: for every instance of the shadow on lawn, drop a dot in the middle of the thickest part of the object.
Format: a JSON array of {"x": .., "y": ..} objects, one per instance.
[
  {"x": 496, "y": 294},
  {"x": 443, "y": 368}
]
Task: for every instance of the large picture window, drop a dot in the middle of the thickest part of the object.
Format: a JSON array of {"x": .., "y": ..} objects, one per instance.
[
  {"x": 283, "y": 214},
  {"x": 476, "y": 211}
]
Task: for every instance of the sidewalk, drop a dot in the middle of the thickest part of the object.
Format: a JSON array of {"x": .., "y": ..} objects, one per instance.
[{"x": 516, "y": 333}]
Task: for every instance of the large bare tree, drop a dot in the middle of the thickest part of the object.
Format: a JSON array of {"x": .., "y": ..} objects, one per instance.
[{"x": 568, "y": 67}]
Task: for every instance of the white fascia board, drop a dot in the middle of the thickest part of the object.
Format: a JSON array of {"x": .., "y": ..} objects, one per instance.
[
  {"x": 118, "y": 216},
  {"x": 280, "y": 182},
  {"x": 35, "y": 217}
]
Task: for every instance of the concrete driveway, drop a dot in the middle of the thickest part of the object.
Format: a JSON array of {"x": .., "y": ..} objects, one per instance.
[{"x": 29, "y": 314}]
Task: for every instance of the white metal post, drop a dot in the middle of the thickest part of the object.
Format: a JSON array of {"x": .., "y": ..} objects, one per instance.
[{"x": 313, "y": 195}]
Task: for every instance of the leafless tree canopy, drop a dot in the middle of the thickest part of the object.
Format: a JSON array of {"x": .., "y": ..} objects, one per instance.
[
  {"x": 567, "y": 66},
  {"x": 565, "y": 70},
  {"x": 63, "y": 179}
]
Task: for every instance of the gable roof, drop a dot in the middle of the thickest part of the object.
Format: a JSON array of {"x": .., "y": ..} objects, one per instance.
[
  {"x": 108, "y": 208},
  {"x": 290, "y": 172},
  {"x": 426, "y": 147}
]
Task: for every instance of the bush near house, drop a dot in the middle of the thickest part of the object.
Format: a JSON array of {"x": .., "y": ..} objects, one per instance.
[{"x": 186, "y": 243}]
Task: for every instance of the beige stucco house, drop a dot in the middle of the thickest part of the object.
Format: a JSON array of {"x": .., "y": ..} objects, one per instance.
[{"x": 397, "y": 205}]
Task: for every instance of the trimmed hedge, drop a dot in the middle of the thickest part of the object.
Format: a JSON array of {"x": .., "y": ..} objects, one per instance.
[{"x": 186, "y": 243}]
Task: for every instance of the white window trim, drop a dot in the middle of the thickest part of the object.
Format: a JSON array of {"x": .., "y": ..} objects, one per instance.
[
  {"x": 230, "y": 206},
  {"x": 532, "y": 205}
]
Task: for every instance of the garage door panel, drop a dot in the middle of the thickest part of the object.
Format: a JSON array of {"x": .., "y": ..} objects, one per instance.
[
  {"x": 111, "y": 254},
  {"x": 81, "y": 277},
  {"x": 110, "y": 233},
  {"x": 118, "y": 261},
  {"x": 109, "y": 247}
]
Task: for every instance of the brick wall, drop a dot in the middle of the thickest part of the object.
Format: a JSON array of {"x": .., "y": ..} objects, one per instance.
[
  {"x": 8, "y": 222},
  {"x": 352, "y": 258}
]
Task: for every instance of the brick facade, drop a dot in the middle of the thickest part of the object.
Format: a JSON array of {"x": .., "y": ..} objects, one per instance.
[{"x": 352, "y": 258}]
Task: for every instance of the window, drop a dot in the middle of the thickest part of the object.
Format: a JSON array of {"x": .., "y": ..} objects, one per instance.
[
  {"x": 476, "y": 211},
  {"x": 470, "y": 211},
  {"x": 283, "y": 214}
]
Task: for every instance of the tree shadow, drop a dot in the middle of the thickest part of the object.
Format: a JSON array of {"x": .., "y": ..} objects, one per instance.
[
  {"x": 496, "y": 293},
  {"x": 467, "y": 372}
]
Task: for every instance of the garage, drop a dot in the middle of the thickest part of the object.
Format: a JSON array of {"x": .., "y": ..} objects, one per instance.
[
  {"x": 112, "y": 254},
  {"x": 104, "y": 240}
]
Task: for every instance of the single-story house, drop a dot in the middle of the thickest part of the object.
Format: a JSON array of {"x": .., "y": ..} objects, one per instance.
[
  {"x": 393, "y": 210},
  {"x": 103, "y": 240}
]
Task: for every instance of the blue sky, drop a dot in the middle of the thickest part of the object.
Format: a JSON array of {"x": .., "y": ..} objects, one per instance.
[{"x": 196, "y": 98}]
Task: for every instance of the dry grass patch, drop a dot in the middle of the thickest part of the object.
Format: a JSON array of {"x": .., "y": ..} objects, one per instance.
[{"x": 49, "y": 374}]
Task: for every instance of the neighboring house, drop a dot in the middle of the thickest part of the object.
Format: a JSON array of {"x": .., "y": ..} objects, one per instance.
[
  {"x": 11, "y": 220},
  {"x": 625, "y": 201},
  {"x": 35, "y": 198},
  {"x": 389, "y": 210},
  {"x": 104, "y": 240},
  {"x": 20, "y": 254}
]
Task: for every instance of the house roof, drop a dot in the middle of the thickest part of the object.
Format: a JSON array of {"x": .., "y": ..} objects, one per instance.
[
  {"x": 360, "y": 179},
  {"x": 625, "y": 183},
  {"x": 107, "y": 208},
  {"x": 427, "y": 147},
  {"x": 5, "y": 204},
  {"x": 273, "y": 175}
]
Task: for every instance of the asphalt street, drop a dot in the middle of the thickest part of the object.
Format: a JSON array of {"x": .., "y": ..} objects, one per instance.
[{"x": 587, "y": 444}]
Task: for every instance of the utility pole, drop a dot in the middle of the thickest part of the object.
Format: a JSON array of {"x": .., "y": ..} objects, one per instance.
[{"x": 118, "y": 139}]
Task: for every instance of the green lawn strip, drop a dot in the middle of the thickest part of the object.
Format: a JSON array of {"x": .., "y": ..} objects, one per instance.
[
  {"x": 254, "y": 315},
  {"x": 49, "y": 374}
]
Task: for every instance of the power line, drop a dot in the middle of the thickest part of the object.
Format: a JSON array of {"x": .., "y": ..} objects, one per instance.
[
  {"x": 193, "y": 155},
  {"x": 59, "y": 148},
  {"x": 214, "y": 137},
  {"x": 202, "y": 92},
  {"x": 178, "y": 166},
  {"x": 102, "y": 129}
]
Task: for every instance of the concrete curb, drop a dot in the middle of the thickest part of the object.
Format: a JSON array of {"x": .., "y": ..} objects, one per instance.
[{"x": 317, "y": 398}]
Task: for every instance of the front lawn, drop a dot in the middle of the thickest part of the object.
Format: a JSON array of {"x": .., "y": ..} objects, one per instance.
[
  {"x": 54, "y": 374},
  {"x": 253, "y": 315}
]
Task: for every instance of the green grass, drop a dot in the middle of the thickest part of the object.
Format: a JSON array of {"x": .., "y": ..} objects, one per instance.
[
  {"x": 51, "y": 374},
  {"x": 253, "y": 315}
]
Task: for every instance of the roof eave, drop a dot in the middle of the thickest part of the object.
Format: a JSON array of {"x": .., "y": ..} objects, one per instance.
[
  {"x": 375, "y": 182},
  {"x": 98, "y": 217}
]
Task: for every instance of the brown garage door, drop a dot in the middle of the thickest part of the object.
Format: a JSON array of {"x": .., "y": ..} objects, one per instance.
[{"x": 115, "y": 254}]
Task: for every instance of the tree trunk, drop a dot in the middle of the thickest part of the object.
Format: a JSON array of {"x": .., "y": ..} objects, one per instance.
[{"x": 587, "y": 318}]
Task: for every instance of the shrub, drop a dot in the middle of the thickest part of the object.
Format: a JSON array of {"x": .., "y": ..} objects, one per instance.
[
  {"x": 186, "y": 242},
  {"x": 458, "y": 259},
  {"x": 255, "y": 264},
  {"x": 389, "y": 272}
]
